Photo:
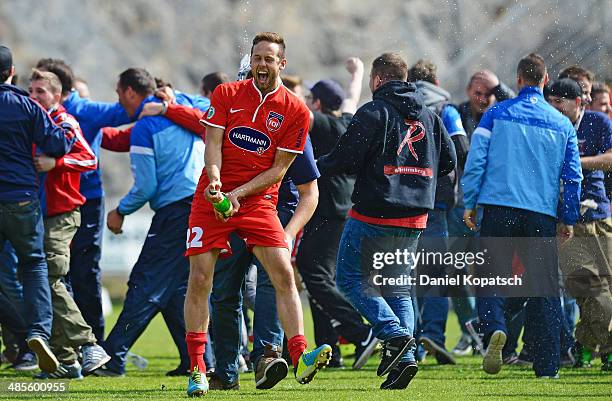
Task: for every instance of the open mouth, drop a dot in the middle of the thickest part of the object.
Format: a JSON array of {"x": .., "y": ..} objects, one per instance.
[{"x": 262, "y": 77}]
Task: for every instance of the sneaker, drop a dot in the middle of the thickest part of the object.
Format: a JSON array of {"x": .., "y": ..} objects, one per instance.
[
  {"x": 242, "y": 364},
  {"x": 548, "y": 377},
  {"x": 105, "y": 372},
  {"x": 606, "y": 362},
  {"x": 8, "y": 356},
  {"x": 524, "y": 357},
  {"x": 443, "y": 357},
  {"x": 198, "y": 385},
  {"x": 180, "y": 371},
  {"x": 25, "y": 362},
  {"x": 271, "y": 368},
  {"x": 400, "y": 376},
  {"x": 245, "y": 364},
  {"x": 364, "y": 350},
  {"x": 311, "y": 362},
  {"x": 64, "y": 371},
  {"x": 472, "y": 327},
  {"x": 46, "y": 360},
  {"x": 567, "y": 358},
  {"x": 514, "y": 359},
  {"x": 215, "y": 383},
  {"x": 336, "y": 361},
  {"x": 392, "y": 352},
  {"x": 464, "y": 346},
  {"x": 492, "y": 361},
  {"x": 138, "y": 361},
  {"x": 420, "y": 354},
  {"x": 94, "y": 356}
]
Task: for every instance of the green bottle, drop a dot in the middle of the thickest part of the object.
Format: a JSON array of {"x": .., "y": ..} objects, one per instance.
[{"x": 224, "y": 207}]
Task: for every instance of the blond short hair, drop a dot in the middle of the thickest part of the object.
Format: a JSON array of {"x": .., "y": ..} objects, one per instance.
[{"x": 50, "y": 78}]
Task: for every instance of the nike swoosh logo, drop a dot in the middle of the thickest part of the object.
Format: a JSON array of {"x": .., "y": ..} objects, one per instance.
[
  {"x": 367, "y": 340},
  {"x": 90, "y": 225},
  {"x": 235, "y": 110},
  {"x": 151, "y": 235}
]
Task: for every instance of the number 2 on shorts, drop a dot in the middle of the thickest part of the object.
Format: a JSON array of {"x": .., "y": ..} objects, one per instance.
[{"x": 197, "y": 236}]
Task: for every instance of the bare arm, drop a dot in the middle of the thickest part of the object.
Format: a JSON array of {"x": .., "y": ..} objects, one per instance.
[
  {"x": 355, "y": 67},
  {"x": 309, "y": 198},
  {"x": 212, "y": 159},
  {"x": 599, "y": 162}
]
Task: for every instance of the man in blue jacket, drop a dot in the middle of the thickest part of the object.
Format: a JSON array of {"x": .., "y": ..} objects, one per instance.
[
  {"x": 398, "y": 148},
  {"x": 167, "y": 161},
  {"x": 23, "y": 123},
  {"x": 519, "y": 152}
]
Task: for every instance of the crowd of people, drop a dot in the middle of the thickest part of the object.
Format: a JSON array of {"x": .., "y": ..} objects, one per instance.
[{"x": 311, "y": 180}]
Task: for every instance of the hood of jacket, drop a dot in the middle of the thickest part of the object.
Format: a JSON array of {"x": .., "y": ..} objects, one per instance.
[
  {"x": 432, "y": 94},
  {"x": 403, "y": 96}
]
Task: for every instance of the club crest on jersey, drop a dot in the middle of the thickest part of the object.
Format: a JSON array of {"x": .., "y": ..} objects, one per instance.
[
  {"x": 416, "y": 128},
  {"x": 250, "y": 139},
  {"x": 274, "y": 121}
]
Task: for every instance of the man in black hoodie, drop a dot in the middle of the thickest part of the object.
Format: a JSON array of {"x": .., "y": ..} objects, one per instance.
[
  {"x": 397, "y": 148},
  {"x": 331, "y": 112}
]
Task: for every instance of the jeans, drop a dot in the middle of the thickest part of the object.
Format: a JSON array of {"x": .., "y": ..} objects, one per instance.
[
  {"x": 568, "y": 322},
  {"x": 266, "y": 324},
  {"x": 542, "y": 314},
  {"x": 11, "y": 320},
  {"x": 9, "y": 283},
  {"x": 464, "y": 305},
  {"x": 434, "y": 305},
  {"x": 391, "y": 316},
  {"x": 226, "y": 314},
  {"x": 316, "y": 261},
  {"x": 22, "y": 225}
]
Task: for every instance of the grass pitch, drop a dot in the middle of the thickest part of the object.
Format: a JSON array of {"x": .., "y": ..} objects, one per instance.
[{"x": 465, "y": 381}]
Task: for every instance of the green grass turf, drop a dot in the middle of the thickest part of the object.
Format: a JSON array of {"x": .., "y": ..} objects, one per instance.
[{"x": 466, "y": 381}]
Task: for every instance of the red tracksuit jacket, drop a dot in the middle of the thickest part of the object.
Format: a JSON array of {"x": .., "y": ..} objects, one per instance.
[{"x": 62, "y": 183}]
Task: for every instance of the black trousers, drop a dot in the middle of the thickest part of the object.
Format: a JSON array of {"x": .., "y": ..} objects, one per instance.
[{"x": 316, "y": 261}]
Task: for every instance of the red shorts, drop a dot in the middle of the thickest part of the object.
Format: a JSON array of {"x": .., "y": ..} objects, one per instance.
[{"x": 256, "y": 222}]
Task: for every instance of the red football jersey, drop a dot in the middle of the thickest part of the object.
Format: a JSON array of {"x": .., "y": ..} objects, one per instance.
[{"x": 255, "y": 127}]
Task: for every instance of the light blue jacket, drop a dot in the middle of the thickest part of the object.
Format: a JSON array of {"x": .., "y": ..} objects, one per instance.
[
  {"x": 92, "y": 117},
  {"x": 520, "y": 151},
  {"x": 166, "y": 160}
]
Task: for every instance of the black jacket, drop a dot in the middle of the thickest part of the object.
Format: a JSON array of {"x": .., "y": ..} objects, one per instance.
[{"x": 398, "y": 148}]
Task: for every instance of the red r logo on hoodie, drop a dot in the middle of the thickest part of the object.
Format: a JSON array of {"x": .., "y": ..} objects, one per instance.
[{"x": 409, "y": 139}]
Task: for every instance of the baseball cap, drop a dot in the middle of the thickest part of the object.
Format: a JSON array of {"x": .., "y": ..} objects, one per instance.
[
  {"x": 566, "y": 88},
  {"x": 6, "y": 58},
  {"x": 329, "y": 92}
]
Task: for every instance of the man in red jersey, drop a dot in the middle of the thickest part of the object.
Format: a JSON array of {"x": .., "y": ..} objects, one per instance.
[{"x": 254, "y": 130}]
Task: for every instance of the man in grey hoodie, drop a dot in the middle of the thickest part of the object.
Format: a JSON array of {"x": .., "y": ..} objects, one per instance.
[{"x": 433, "y": 301}]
